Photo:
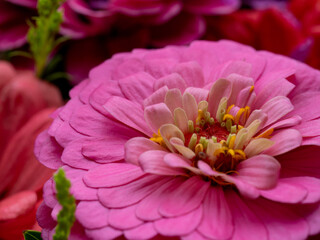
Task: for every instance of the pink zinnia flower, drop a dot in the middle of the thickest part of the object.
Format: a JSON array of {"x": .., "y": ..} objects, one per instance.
[
  {"x": 25, "y": 106},
  {"x": 209, "y": 141}
]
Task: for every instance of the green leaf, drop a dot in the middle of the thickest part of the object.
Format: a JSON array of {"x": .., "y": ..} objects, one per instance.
[
  {"x": 42, "y": 33},
  {"x": 32, "y": 235},
  {"x": 66, "y": 216}
]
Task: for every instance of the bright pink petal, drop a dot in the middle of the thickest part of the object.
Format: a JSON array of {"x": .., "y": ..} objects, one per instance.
[
  {"x": 152, "y": 162},
  {"x": 117, "y": 197},
  {"x": 137, "y": 87},
  {"x": 174, "y": 80},
  {"x": 280, "y": 221},
  {"x": 91, "y": 214},
  {"x": 309, "y": 129},
  {"x": 73, "y": 157},
  {"x": 104, "y": 150},
  {"x": 285, "y": 192},
  {"x": 119, "y": 109},
  {"x": 276, "y": 108},
  {"x": 124, "y": 218},
  {"x": 261, "y": 171},
  {"x": 285, "y": 140},
  {"x": 276, "y": 87},
  {"x": 239, "y": 82},
  {"x": 190, "y": 193},
  {"x": 112, "y": 175},
  {"x": 306, "y": 105},
  {"x": 136, "y": 146},
  {"x": 108, "y": 233},
  {"x": 244, "y": 217},
  {"x": 144, "y": 231},
  {"x": 192, "y": 73},
  {"x": 183, "y": 224},
  {"x": 78, "y": 189},
  {"x": 148, "y": 207},
  {"x": 217, "y": 220},
  {"x": 236, "y": 67}
]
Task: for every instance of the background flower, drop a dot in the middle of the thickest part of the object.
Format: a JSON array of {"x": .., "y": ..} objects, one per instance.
[
  {"x": 25, "y": 106},
  {"x": 106, "y": 140}
]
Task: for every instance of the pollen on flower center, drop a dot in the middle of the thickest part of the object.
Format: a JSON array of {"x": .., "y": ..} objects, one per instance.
[{"x": 211, "y": 131}]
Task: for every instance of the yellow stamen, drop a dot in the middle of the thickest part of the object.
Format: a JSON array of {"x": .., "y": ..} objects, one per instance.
[
  {"x": 241, "y": 154},
  {"x": 231, "y": 152},
  {"x": 229, "y": 108},
  {"x": 266, "y": 134},
  {"x": 198, "y": 148},
  {"x": 247, "y": 113},
  {"x": 200, "y": 116},
  {"x": 227, "y": 116},
  {"x": 157, "y": 138},
  {"x": 251, "y": 89},
  {"x": 239, "y": 114},
  {"x": 232, "y": 140},
  {"x": 240, "y": 127}
]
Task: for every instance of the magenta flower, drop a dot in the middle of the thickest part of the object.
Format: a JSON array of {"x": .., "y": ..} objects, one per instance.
[{"x": 210, "y": 141}]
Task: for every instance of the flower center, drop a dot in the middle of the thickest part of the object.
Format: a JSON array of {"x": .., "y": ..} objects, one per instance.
[{"x": 217, "y": 138}]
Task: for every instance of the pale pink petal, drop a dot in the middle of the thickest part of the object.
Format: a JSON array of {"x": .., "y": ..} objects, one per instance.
[
  {"x": 192, "y": 73},
  {"x": 178, "y": 161},
  {"x": 157, "y": 115},
  {"x": 285, "y": 140},
  {"x": 91, "y": 214},
  {"x": 112, "y": 175},
  {"x": 156, "y": 97},
  {"x": 217, "y": 219},
  {"x": 136, "y": 146},
  {"x": 200, "y": 94},
  {"x": 152, "y": 162},
  {"x": 174, "y": 80},
  {"x": 257, "y": 114},
  {"x": 108, "y": 233},
  {"x": 122, "y": 109},
  {"x": 239, "y": 83},
  {"x": 117, "y": 197},
  {"x": 205, "y": 168},
  {"x": 246, "y": 97},
  {"x": 190, "y": 106},
  {"x": 261, "y": 171},
  {"x": 190, "y": 193},
  {"x": 173, "y": 99},
  {"x": 137, "y": 87},
  {"x": 183, "y": 225},
  {"x": 144, "y": 231},
  {"x": 148, "y": 208},
  {"x": 244, "y": 217},
  {"x": 276, "y": 108},
  {"x": 285, "y": 192},
  {"x": 169, "y": 131},
  {"x": 221, "y": 88},
  {"x": 124, "y": 218},
  {"x": 181, "y": 119}
]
